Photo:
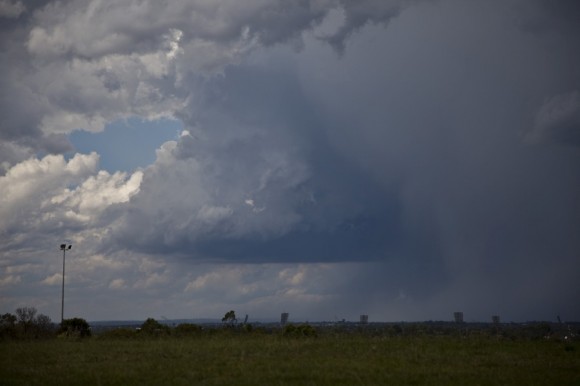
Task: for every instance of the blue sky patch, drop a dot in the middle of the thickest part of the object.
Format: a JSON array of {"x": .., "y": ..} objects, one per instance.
[{"x": 127, "y": 144}]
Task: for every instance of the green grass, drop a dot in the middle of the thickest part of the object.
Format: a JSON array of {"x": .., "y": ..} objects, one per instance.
[{"x": 271, "y": 359}]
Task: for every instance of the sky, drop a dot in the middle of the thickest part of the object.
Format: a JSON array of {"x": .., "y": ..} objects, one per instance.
[{"x": 404, "y": 159}]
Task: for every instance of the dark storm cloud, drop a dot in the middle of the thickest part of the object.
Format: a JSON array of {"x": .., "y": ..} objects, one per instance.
[
  {"x": 358, "y": 13},
  {"x": 434, "y": 147},
  {"x": 130, "y": 27},
  {"x": 558, "y": 120},
  {"x": 11, "y": 10},
  {"x": 490, "y": 211},
  {"x": 78, "y": 65},
  {"x": 21, "y": 108},
  {"x": 546, "y": 16},
  {"x": 264, "y": 184}
]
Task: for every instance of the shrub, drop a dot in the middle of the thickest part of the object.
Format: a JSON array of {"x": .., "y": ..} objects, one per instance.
[
  {"x": 153, "y": 327},
  {"x": 75, "y": 327},
  {"x": 396, "y": 330},
  {"x": 187, "y": 329},
  {"x": 302, "y": 330},
  {"x": 7, "y": 326},
  {"x": 118, "y": 333}
]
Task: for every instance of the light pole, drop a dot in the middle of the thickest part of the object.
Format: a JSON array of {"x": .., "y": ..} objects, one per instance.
[{"x": 63, "y": 248}]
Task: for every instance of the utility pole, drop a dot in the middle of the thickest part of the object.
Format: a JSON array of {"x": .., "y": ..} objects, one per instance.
[{"x": 63, "y": 248}]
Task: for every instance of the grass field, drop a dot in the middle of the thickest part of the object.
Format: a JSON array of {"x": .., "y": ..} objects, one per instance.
[{"x": 272, "y": 359}]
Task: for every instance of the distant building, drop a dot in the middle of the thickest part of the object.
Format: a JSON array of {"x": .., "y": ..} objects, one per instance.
[
  {"x": 458, "y": 316},
  {"x": 284, "y": 318},
  {"x": 364, "y": 319},
  {"x": 495, "y": 319}
]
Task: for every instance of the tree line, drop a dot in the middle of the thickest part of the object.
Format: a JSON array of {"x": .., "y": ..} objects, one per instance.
[{"x": 27, "y": 323}]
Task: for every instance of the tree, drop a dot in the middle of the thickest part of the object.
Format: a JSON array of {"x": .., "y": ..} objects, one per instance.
[
  {"x": 229, "y": 318},
  {"x": 43, "y": 326},
  {"x": 28, "y": 324},
  {"x": 25, "y": 316},
  {"x": 43, "y": 321}
]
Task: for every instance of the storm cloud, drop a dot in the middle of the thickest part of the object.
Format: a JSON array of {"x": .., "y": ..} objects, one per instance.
[{"x": 404, "y": 159}]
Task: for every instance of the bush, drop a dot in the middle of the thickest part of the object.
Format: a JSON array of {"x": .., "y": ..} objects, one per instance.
[
  {"x": 118, "y": 333},
  {"x": 395, "y": 330},
  {"x": 7, "y": 326},
  {"x": 153, "y": 327},
  {"x": 302, "y": 330},
  {"x": 187, "y": 329},
  {"x": 75, "y": 327}
]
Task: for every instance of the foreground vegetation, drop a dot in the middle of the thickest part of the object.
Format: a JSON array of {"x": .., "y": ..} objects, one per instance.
[{"x": 301, "y": 355}]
